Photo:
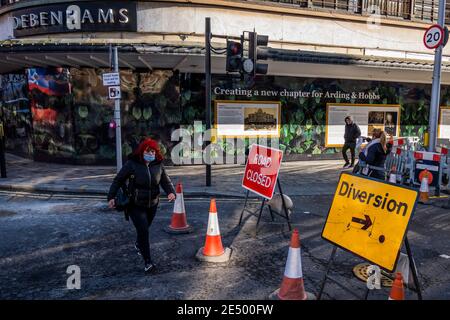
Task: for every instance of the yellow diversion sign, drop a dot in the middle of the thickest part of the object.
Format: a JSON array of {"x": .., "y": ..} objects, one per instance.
[{"x": 370, "y": 218}]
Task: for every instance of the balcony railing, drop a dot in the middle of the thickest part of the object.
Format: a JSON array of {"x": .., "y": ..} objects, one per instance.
[{"x": 414, "y": 10}]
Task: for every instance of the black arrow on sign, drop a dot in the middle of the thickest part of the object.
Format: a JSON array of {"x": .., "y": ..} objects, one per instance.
[{"x": 367, "y": 222}]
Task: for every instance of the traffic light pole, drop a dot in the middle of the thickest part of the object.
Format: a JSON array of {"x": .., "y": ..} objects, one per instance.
[
  {"x": 436, "y": 88},
  {"x": 208, "y": 94}
]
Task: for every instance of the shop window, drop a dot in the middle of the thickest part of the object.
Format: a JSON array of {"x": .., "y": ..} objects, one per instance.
[
  {"x": 15, "y": 114},
  {"x": 50, "y": 102}
]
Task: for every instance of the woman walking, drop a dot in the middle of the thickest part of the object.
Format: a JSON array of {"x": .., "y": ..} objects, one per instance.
[{"x": 147, "y": 171}]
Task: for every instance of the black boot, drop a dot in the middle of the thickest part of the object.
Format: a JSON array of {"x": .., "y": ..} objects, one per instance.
[{"x": 149, "y": 267}]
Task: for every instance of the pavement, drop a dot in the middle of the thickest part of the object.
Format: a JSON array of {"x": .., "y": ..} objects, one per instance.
[{"x": 297, "y": 178}]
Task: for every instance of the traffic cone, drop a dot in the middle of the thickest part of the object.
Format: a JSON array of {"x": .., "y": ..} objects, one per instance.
[
  {"x": 179, "y": 224},
  {"x": 292, "y": 286},
  {"x": 393, "y": 175},
  {"x": 424, "y": 189},
  {"x": 213, "y": 251},
  {"x": 397, "y": 291}
]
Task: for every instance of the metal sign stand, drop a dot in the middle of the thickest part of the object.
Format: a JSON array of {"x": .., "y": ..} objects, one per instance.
[
  {"x": 264, "y": 200},
  {"x": 412, "y": 267}
]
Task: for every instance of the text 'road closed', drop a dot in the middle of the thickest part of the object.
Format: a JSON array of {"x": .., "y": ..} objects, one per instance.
[{"x": 261, "y": 170}]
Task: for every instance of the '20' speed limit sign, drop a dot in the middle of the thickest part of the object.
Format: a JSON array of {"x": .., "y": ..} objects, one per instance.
[{"x": 434, "y": 36}]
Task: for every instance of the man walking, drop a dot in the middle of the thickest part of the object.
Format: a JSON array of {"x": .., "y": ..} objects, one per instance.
[{"x": 352, "y": 132}]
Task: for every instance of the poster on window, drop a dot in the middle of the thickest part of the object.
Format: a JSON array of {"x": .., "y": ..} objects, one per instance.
[
  {"x": 367, "y": 117},
  {"x": 444, "y": 123},
  {"x": 247, "y": 118}
]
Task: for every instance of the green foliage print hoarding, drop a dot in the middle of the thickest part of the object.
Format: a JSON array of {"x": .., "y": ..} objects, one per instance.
[{"x": 304, "y": 101}]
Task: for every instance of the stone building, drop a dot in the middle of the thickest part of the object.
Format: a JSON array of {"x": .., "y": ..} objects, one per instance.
[{"x": 54, "y": 52}]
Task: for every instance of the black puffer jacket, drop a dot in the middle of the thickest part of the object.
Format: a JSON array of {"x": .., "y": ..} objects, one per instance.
[
  {"x": 147, "y": 180},
  {"x": 352, "y": 132}
]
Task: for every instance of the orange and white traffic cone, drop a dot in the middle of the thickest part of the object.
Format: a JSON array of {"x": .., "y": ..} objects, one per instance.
[
  {"x": 393, "y": 175},
  {"x": 424, "y": 190},
  {"x": 292, "y": 286},
  {"x": 213, "y": 251},
  {"x": 397, "y": 291},
  {"x": 179, "y": 224}
]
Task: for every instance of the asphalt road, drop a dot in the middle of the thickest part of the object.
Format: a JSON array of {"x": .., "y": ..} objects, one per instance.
[{"x": 41, "y": 236}]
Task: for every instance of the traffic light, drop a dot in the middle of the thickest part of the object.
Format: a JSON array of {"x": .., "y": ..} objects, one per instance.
[
  {"x": 255, "y": 52},
  {"x": 234, "y": 56}
]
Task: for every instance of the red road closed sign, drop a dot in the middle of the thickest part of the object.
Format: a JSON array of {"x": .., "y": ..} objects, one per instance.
[{"x": 261, "y": 170}]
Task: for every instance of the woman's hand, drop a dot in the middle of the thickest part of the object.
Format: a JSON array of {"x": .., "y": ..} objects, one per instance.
[
  {"x": 112, "y": 203},
  {"x": 171, "y": 197}
]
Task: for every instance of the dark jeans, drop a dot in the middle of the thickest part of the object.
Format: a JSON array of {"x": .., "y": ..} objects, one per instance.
[
  {"x": 352, "y": 147},
  {"x": 142, "y": 219}
]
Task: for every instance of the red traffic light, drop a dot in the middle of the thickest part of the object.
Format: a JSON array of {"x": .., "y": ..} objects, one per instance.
[
  {"x": 234, "y": 56},
  {"x": 234, "y": 48}
]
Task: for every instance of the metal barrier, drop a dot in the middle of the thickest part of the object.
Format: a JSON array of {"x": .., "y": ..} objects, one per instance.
[
  {"x": 445, "y": 163},
  {"x": 432, "y": 162},
  {"x": 407, "y": 159},
  {"x": 400, "y": 159}
]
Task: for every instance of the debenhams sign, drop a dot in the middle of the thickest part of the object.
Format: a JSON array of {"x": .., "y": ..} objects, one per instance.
[{"x": 101, "y": 16}]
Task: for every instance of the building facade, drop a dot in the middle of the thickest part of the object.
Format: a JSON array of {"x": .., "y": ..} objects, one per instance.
[{"x": 321, "y": 53}]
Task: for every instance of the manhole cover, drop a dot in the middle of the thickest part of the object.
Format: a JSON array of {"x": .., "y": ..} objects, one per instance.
[{"x": 360, "y": 271}]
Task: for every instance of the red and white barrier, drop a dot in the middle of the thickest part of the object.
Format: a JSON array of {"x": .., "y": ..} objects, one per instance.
[
  {"x": 430, "y": 156},
  {"x": 398, "y": 142},
  {"x": 442, "y": 150}
]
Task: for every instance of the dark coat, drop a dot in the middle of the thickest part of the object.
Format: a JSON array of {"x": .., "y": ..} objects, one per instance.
[
  {"x": 147, "y": 180},
  {"x": 376, "y": 156},
  {"x": 352, "y": 132}
]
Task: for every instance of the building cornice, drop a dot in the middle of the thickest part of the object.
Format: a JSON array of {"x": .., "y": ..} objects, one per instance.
[{"x": 273, "y": 54}]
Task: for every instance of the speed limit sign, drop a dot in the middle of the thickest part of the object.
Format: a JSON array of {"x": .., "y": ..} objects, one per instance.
[{"x": 434, "y": 36}]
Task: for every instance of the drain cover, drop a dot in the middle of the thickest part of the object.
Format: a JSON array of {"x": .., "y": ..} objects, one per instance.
[{"x": 360, "y": 271}]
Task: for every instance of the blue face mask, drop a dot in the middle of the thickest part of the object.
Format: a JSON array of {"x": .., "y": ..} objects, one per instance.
[{"x": 149, "y": 157}]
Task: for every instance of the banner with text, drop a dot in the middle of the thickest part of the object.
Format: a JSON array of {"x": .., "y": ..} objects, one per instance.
[
  {"x": 247, "y": 118},
  {"x": 444, "y": 123},
  {"x": 368, "y": 118}
]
